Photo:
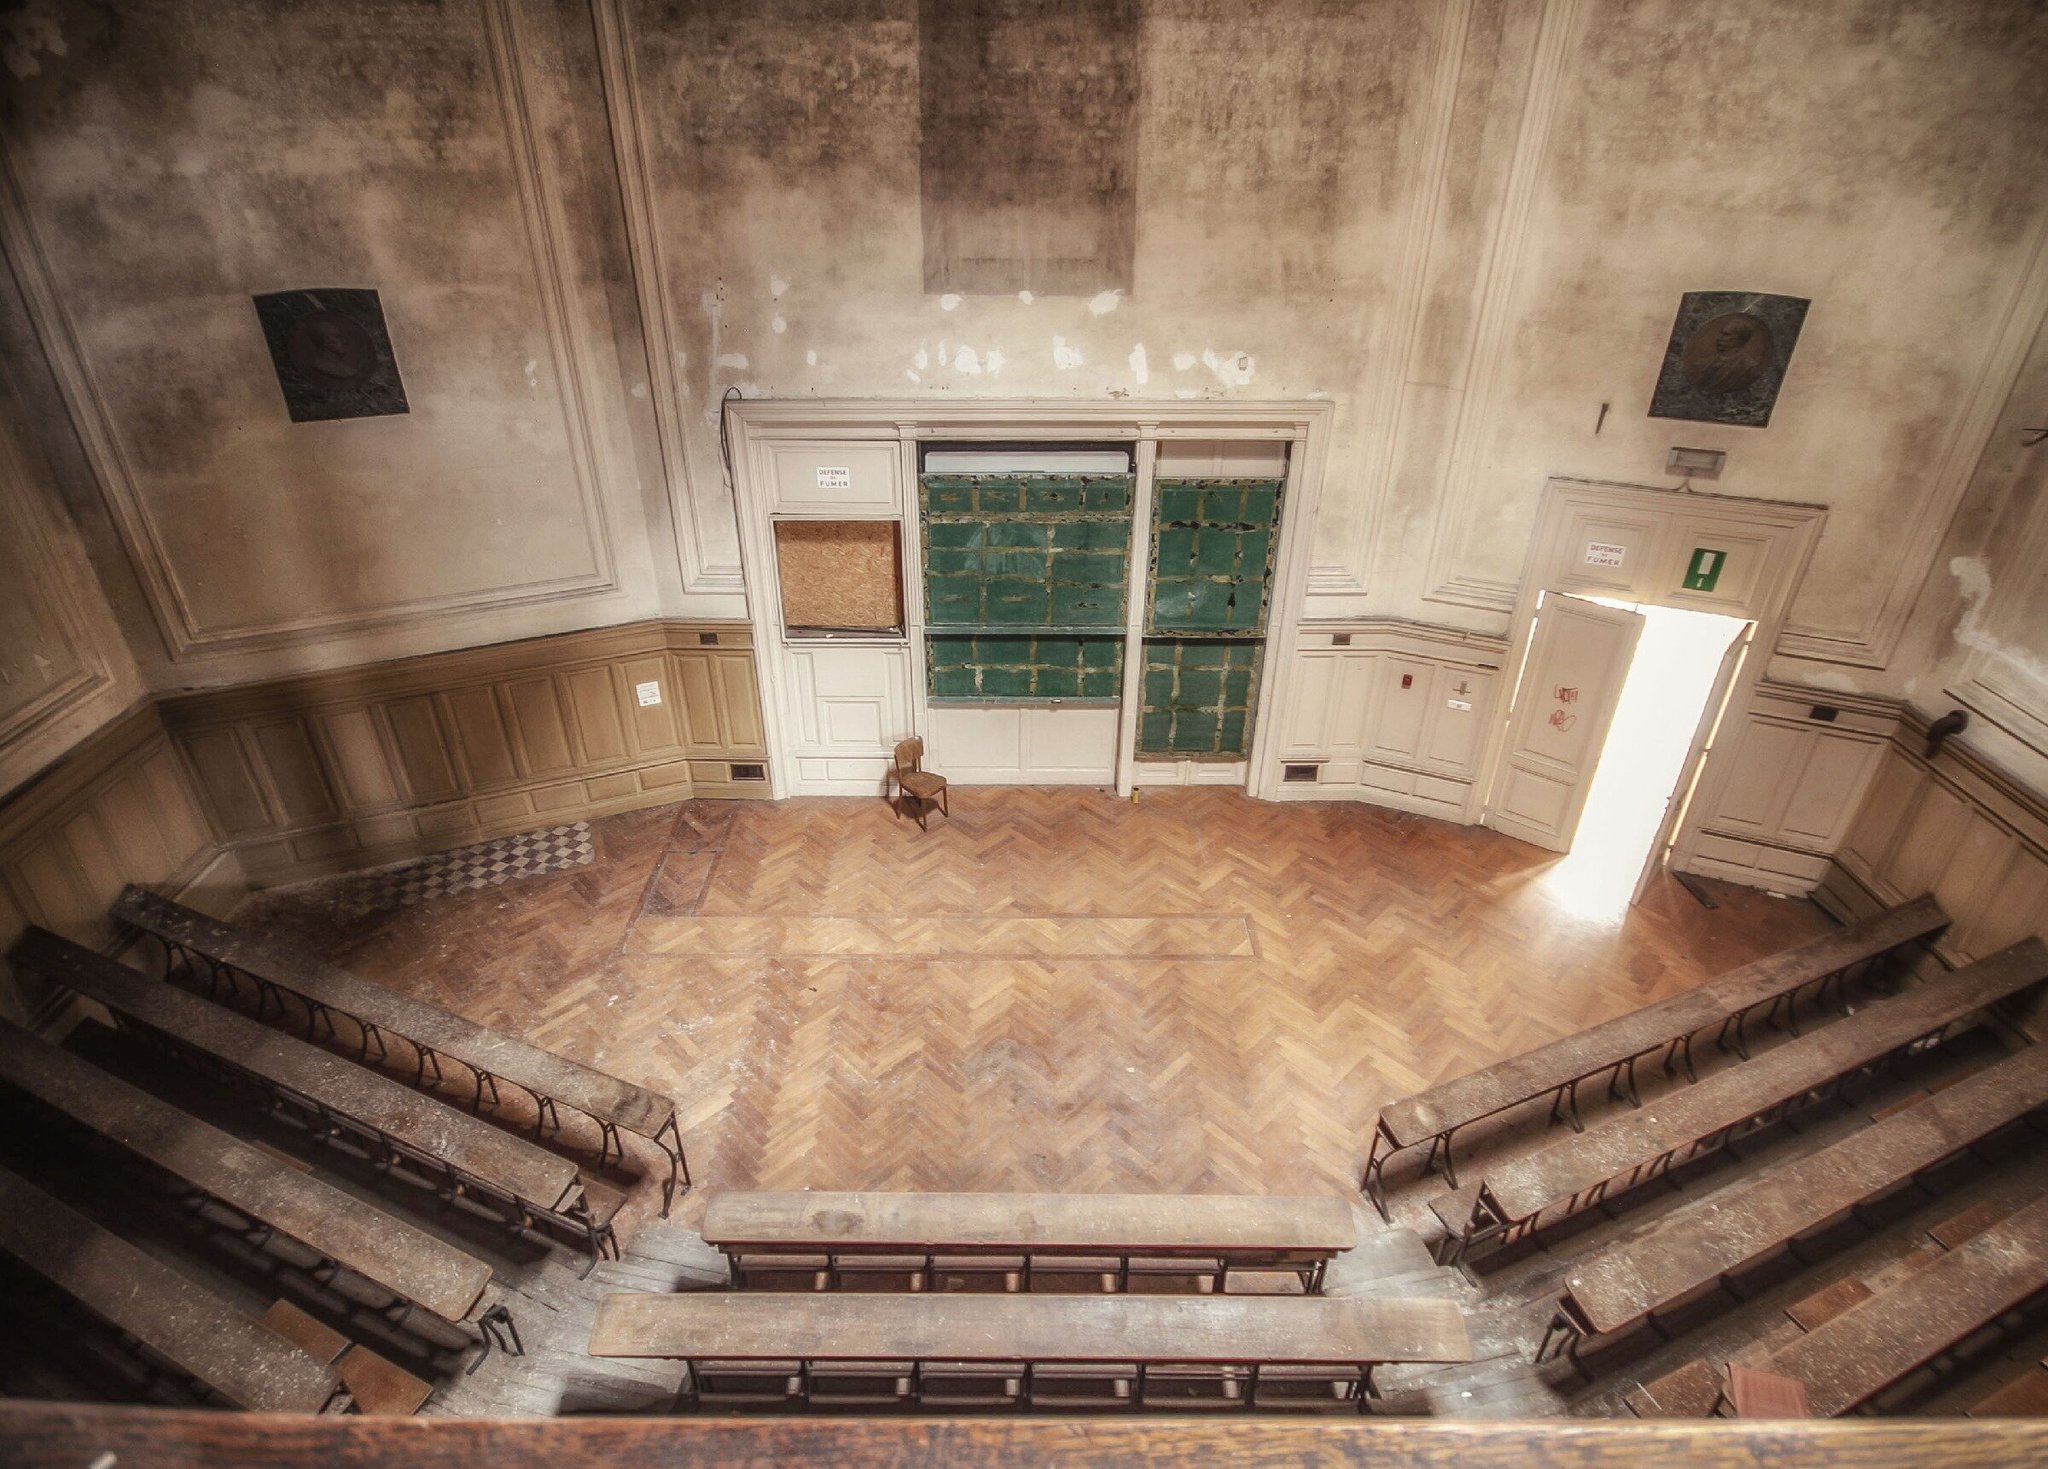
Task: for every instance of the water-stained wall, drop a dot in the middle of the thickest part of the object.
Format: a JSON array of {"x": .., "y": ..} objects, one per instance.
[{"x": 1466, "y": 222}]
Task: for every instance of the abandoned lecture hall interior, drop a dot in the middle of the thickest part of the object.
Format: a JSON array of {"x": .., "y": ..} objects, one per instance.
[{"x": 984, "y": 733}]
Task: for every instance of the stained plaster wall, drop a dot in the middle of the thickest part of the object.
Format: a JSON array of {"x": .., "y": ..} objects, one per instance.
[{"x": 1466, "y": 222}]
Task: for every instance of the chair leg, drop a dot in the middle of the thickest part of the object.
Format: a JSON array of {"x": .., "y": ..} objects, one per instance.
[
  {"x": 923, "y": 813},
  {"x": 946, "y": 801}
]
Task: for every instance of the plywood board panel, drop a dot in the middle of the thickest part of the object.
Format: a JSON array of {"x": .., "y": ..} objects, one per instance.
[
  {"x": 840, "y": 574},
  {"x": 294, "y": 770},
  {"x": 480, "y": 730}
]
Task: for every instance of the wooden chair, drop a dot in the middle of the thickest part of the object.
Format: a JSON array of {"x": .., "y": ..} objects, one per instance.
[{"x": 913, "y": 783}]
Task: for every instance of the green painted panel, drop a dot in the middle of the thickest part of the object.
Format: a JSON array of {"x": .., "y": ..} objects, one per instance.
[
  {"x": 1212, "y": 555},
  {"x": 1023, "y": 669},
  {"x": 1198, "y": 697},
  {"x": 1026, "y": 550}
]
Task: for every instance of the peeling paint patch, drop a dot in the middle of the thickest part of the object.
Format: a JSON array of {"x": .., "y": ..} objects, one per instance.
[
  {"x": 640, "y": 390},
  {"x": 811, "y": 358},
  {"x": 1140, "y": 369},
  {"x": 1104, "y": 302},
  {"x": 1185, "y": 393},
  {"x": 778, "y": 325},
  {"x": 912, "y": 375},
  {"x": 1026, "y": 297},
  {"x": 737, "y": 361},
  {"x": 995, "y": 360},
  {"x": 34, "y": 27},
  {"x": 1065, "y": 358},
  {"x": 967, "y": 360},
  {"x": 1182, "y": 361},
  {"x": 776, "y": 286},
  {"x": 942, "y": 354},
  {"x": 533, "y": 379},
  {"x": 1232, "y": 369},
  {"x": 920, "y": 359},
  {"x": 949, "y": 302}
]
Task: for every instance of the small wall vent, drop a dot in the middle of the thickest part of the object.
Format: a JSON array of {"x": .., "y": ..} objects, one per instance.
[
  {"x": 1301, "y": 773},
  {"x": 708, "y": 639},
  {"x": 748, "y": 772},
  {"x": 1340, "y": 639}
]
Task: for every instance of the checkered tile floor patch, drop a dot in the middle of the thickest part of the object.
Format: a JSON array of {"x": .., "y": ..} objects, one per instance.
[{"x": 466, "y": 869}]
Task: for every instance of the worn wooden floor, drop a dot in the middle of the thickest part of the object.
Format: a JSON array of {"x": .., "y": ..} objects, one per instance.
[{"x": 1054, "y": 990}]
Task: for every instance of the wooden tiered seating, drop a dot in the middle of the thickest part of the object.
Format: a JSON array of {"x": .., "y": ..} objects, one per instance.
[
  {"x": 419, "y": 1272},
  {"x": 1697, "y": 1247},
  {"x": 1613, "y": 1048},
  {"x": 924, "y": 1236},
  {"x": 199, "y": 1334},
  {"x": 460, "y": 1154},
  {"x": 2026, "y": 1396},
  {"x": 490, "y": 1056},
  {"x": 1580, "y": 1172},
  {"x": 1852, "y": 1358},
  {"x": 1191, "y": 1351}
]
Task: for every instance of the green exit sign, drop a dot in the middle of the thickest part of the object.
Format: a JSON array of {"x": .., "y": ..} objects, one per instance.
[{"x": 1704, "y": 569}]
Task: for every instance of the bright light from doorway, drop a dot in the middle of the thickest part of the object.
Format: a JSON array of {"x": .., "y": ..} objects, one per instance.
[{"x": 1666, "y": 691}]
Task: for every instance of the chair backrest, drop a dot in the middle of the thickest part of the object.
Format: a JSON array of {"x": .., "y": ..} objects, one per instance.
[{"x": 909, "y": 753}]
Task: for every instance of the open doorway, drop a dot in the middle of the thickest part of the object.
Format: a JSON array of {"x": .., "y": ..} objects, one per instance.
[{"x": 1664, "y": 721}]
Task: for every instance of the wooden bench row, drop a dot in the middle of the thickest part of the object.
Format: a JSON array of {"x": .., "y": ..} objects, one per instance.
[
  {"x": 273, "y": 970},
  {"x": 1612, "y": 1049},
  {"x": 1850, "y": 1356},
  {"x": 198, "y": 1334},
  {"x": 1700, "y": 1248},
  {"x": 1016, "y": 1350},
  {"x": 462, "y": 1156},
  {"x": 1580, "y": 1172},
  {"x": 919, "y": 1237},
  {"x": 418, "y": 1274}
]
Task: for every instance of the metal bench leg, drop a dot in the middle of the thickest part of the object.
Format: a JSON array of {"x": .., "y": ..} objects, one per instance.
[{"x": 678, "y": 1165}]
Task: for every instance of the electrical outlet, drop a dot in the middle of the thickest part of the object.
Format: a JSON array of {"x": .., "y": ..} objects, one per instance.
[{"x": 648, "y": 693}]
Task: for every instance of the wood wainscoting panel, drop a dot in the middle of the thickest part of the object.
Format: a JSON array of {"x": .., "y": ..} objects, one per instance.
[
  {"x": 1956, "y": 826},
  {"x": 117, "y": 809},
  {"x": 324, "y": 772}
]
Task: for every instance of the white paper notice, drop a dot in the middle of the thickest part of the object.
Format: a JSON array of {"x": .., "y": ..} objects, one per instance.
[
  {"x": 834, "y": 479},
  {"x": 1601, "y": 553},
  {"x": 648, "y": 693}
]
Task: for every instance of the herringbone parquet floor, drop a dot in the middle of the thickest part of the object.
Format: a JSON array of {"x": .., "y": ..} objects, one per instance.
[{"x": 1053, "y": 990}]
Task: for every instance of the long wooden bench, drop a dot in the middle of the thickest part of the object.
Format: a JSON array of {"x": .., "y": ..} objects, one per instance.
[
  {"x": 490, "y": 1056},
  {"x": 462, "y": 1155},
  {"x": 198, "y": 1333},
  {"x": 1578, "y": 1173},
  {"x": 1241, "y": 1351},
  {"x": 1852, "y": 1358},
  {"x": 1698, "y": 1247},
  {"x": 1613, "y": 1047},
  {"x": 926, "y": 1233}
]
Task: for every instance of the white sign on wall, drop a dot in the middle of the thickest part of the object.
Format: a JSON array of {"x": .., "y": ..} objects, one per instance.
[
  {"x": 1598, "y": 553},
  {"x": 834, "y": 479},
  {"x": 648, "y": 693}
]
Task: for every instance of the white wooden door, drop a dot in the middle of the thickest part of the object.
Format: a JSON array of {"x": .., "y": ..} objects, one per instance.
[
  {"x": 1578, "y": 659},
  {"x": 1696, "y": 754}
]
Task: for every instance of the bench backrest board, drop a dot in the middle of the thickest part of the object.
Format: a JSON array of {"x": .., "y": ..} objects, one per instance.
[
  {"x": 1541, "y": 1071},
  {"x": 1524, "y": 1187},
  {"x": 204, "y": 1336},
  {"x": 425, "y": 1124},
  {"x": 1868, "y": 1347},
  {"x": 1116, "y": 1223},
  {"x": 1696, "y": 1246},
  {"x": 404, "y": 1260},
  {"x": 571, "y": 1083},
  {"x": 741, "y": 1325}
]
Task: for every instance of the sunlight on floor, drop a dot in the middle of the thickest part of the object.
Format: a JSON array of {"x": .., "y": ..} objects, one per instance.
[{"x": 1668, "y": 684}]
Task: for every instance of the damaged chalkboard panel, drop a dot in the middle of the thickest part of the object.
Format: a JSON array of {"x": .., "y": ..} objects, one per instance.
[
  {"x": 1198, "y": 698},
  {"x": 979, "y": 669},
  {"x": 1021, "y": 551},
  {"x": 1212, "y": 555}
]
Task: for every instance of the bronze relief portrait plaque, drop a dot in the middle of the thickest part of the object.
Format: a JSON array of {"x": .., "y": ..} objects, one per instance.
[
  {"x": 332, "y": 354},
  {"x": 1727, "y": 356}
]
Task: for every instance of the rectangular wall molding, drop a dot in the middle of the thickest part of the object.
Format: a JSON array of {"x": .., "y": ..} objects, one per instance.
[{"x": 331, "y": 771}]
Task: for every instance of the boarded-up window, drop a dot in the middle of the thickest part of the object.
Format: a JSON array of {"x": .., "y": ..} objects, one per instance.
[{"x": 840, "y": 575}]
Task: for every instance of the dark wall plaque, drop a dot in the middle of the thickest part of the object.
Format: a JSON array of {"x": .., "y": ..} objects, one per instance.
[
  {"x": 332, "y": 354},
  {"x": 1727, "y": 357}
]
